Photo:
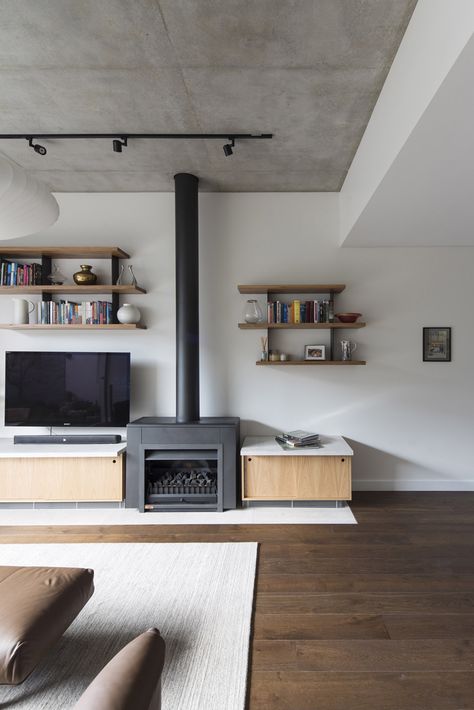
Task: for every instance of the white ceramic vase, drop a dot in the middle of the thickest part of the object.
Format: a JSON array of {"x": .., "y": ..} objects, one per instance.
[
  {"x": 252, "y": 312},
  {"x": 128, "y": 314}
]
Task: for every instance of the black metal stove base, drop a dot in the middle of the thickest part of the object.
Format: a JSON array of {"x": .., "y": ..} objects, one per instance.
[
  {"x": 194, "y": 502},
  {"x": 156, "y": 441}
]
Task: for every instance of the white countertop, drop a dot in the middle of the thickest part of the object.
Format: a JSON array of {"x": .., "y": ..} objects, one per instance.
[
  {"x": 267, "y": 446},
  {"x": 10, "y": 450}
]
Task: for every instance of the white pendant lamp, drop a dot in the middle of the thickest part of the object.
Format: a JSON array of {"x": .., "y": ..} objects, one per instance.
[{"x": 26, "y": 205}]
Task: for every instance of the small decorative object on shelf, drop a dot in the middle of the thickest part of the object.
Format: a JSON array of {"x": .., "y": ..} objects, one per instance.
[
  {"x": 264, "y": 352},
  {"x": 133, "y": 281},
  {"x": 348, "y": 317},
  {"x": 283, "y": 357},
  {"x": 315, "y": 352},
  {"x": 85, "y": 277},
  {"x": 21, "y": 310},
  {"x": 56, "y": 278},
  {"x": 128, "y": 314},
  {"x": 119, "y": 281},
  {"x": 273, "y": 355},
  {"x": 253, "y": 312},
  {"x": 347, "y": 348}
]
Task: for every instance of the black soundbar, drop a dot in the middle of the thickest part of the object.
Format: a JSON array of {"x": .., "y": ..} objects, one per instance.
[{"x": 67, "y": 439}]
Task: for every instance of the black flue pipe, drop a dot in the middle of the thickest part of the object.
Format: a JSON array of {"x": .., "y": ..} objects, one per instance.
[{"x": 187, "y": 297}]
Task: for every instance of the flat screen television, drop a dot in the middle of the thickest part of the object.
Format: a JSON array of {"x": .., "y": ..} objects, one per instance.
[{"x": 67, "y": 389}]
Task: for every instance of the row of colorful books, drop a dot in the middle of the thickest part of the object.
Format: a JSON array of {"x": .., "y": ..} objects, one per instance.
[
  {"x": 13, "y": 274},
  {"x": 68, "y": 313},
  {"x": 300, "y": 312}
]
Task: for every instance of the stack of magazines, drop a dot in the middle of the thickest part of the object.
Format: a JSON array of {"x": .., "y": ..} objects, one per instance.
[{"x": 298, "y": 439}]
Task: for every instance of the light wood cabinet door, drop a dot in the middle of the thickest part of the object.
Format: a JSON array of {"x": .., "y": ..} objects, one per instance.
[
  {"x": 296, "y": 478},
  {"x": 62, "y": 479}
]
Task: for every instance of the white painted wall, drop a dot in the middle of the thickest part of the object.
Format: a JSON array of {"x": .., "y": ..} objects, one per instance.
[
  {"x": 410, "y": 423},
  {"x": 425, "y": 199},
  {"x": 437, "y": 33}
]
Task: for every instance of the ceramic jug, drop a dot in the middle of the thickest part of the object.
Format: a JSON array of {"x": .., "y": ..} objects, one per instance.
[
  {"x": 21, "y": 310},
  {"x": 347, "y": 348}
]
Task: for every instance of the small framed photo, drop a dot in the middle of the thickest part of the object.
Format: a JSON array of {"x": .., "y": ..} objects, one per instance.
[
  {"x": 436, "y": 344},
  {"x": 315, "y": 352}
]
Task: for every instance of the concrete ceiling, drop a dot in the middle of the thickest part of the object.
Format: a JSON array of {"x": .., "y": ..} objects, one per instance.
[{"x": 310, "y": 71}]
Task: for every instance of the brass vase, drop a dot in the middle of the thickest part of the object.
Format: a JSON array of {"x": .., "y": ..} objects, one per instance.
[{"x": 85, "y": 277}]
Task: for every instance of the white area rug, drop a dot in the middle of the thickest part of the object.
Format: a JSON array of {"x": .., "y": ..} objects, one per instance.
[
  {"x": 261, "y": 515},
  {"x": 199, "y": 595}
]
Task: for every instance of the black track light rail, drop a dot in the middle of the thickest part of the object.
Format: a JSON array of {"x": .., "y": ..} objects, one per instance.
[
  {"x": 132, "y": 136},
  {"x": 120, "y": 140}
]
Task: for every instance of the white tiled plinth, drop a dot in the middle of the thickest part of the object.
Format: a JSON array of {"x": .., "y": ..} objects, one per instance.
[{"x": 322, "y": 514}]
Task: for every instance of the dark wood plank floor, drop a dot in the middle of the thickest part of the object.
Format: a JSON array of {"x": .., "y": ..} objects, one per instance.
[{"x": 378, "y": 616}]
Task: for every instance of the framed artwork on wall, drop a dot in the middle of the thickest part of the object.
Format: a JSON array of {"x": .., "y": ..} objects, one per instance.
[
  {"x": 436, "y": 344},
  {"x": 315, "y": 352}
]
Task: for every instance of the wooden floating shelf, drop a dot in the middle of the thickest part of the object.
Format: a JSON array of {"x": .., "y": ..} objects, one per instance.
[
  {"x": 311, "y": 362},
  {"x": 64, "y": 252},
  {"x": 295, "y": 326},
  {"x": 72, "y": 288},
  {"x": 297, "y": 290},
  {"x": 73, "y": 326},
  {"x": 83, "y": 254},
  {"x": 291, "y": 288}
]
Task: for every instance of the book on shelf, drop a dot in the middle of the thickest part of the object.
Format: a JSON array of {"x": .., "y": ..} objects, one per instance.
[
  {"x": 14, "y": 274},
  {"x": 300, "y": 311},
  {"x": 296, "y": 311},
  {"x": 269, "y": 312},
  {"x": 71, "y": 313}
]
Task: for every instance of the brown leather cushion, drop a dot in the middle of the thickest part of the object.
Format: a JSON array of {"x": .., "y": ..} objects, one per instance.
[
  {"x": 130, "y": 679},
  {"x": 37, "y": 604}
]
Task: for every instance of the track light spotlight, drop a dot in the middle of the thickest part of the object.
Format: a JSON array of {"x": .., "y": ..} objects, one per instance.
[
  {"x": 40, "y": 149},
  {"x": 227, "y": 148},
  {"x": 119, "y": 144},
  {"x": 120, "y": 141}
]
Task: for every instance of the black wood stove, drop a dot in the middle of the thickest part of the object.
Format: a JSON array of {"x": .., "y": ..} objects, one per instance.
[{"x": 184, "y": 462}]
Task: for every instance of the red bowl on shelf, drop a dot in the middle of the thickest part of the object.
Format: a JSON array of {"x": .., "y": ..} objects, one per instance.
[{"x": 348, "y": 317}]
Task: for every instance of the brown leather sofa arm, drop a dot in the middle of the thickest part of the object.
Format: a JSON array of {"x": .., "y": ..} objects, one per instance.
[{"x": 131, "y": 679}]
